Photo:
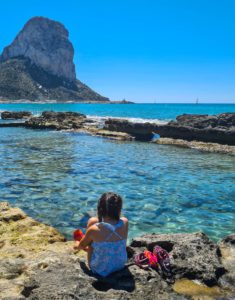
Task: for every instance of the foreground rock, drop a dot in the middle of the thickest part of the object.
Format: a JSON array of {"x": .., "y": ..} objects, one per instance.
[
  {"x": 195, "y": 256},
  {"x": 213, "y": 129},
  {"x": 37, "y": 263},
  {"x": 15, "y": 115},
  {"x": 227, "y": 248},
  {"x": 38, "y": 66}
]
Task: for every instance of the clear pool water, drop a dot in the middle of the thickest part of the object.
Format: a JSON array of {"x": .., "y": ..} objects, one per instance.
[{"x": 57, "y": 178}]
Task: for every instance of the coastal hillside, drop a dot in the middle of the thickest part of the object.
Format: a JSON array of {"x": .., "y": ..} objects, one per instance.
[{"x": 38, "y": 65}]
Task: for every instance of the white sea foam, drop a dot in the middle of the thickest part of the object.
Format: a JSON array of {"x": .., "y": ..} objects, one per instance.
[{"x": 100, "y": 119}]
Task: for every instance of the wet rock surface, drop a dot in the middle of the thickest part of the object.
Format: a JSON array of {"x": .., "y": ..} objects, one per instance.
[
  {"x": 37, "y": 263},
  {"x": 15, "y": 115},
  {"x": 215, "y": 129}
]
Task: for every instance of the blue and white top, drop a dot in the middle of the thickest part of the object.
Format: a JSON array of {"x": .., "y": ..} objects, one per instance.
[{"x": 108, "y": 257}]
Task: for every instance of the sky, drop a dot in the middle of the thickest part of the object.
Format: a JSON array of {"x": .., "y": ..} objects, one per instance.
[{"x": 143, "y": 50}]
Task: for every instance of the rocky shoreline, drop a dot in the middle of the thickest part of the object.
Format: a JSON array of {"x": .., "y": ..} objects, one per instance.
[
  {"x": 204, "y": 128},
  {"x": 201, "y": 132},
  {"x": 36, "y": 262}
]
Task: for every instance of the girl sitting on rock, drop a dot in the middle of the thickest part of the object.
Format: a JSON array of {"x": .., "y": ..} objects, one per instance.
[{"x": 105, "y": 238}]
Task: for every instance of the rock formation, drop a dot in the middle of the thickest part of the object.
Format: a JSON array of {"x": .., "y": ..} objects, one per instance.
[
  {"x": 15, "y": 115},
  {"x": 120, "y": 129},
  {"x": 213, "y": 129},
  {"x": 46, "y": 44},
  {"x": 36, "y": 262},
  {"x": 38, "y": 65}
]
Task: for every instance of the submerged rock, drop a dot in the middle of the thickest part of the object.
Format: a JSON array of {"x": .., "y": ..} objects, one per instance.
[{"x": 37, "y": 263}]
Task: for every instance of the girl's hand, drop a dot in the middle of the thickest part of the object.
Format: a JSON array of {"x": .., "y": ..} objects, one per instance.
[{"x": 76, "y": 246}]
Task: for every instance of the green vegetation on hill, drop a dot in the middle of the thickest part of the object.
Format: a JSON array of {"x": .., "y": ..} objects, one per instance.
[{"x": 20, "y": 79}]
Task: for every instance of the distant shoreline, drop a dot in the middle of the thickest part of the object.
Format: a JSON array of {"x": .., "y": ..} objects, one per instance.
[
  {"x": 66, "y": 102},
  {"x": 106, "y": 102}
]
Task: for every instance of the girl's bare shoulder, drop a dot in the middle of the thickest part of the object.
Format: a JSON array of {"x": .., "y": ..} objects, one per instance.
[
  {"x": 92, "y": 221},
  {"x": 124, "y": 219}
]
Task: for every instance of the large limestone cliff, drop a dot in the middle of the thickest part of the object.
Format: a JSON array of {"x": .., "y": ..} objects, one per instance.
[
  {"x": 38, "y": 65},
  {"x": 46, "y": 44}
]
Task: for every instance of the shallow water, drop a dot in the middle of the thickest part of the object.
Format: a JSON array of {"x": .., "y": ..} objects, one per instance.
[{"x": 57, "y": 177}]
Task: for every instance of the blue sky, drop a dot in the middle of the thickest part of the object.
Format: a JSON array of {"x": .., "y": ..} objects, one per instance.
[{"x": 143, "y": 50}]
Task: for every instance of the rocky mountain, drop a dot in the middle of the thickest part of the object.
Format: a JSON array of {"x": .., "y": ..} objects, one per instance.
[{"x": 38, "y": 65}]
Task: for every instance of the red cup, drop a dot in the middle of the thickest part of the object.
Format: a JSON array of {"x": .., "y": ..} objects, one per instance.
[{"x": 78, "y": 235}]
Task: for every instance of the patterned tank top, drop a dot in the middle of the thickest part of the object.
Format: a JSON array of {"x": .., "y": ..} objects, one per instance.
[{"x": 108, "y": 257}]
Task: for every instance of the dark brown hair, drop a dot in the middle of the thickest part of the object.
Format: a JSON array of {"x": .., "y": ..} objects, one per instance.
[{"x": 109, "y": 205}]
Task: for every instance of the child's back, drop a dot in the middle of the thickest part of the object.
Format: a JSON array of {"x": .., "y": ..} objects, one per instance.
[
  {"x": 105, "y": 238},
  {"x": 109, "y": 253}
]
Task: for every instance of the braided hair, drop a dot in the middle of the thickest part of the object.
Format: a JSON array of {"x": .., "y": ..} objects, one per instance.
[{"x": 109, "y": 205}]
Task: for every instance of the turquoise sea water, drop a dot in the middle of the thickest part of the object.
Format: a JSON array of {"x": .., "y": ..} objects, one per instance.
[
  {"x": 57, "y": 177},
  {"x": 145, "y": 111}
]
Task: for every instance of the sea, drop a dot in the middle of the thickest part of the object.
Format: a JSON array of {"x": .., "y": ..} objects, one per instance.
[{"x": 58, "y": 177}]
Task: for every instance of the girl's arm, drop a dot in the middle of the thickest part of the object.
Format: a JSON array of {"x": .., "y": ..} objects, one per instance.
[{"x": 85, "y": 241}]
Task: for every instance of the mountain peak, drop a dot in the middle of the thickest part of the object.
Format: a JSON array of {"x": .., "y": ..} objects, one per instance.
[
  {"x": 45, "y": 42},
  {"x": 38, "y": 65}
]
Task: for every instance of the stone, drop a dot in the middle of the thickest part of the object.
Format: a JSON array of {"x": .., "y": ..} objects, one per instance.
[
  {"x": 15, "y": 115},
  {"x": 197, "y": 121},
  {"x": 194, "y": 256},
  {"x": 121, "y": 136}
]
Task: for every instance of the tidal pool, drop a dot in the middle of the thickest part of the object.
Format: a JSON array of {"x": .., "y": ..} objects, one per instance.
[{"x": 57, "y": 178}]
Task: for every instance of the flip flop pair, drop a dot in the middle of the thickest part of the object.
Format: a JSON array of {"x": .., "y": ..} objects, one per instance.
[{"x": 146, "y": 260}]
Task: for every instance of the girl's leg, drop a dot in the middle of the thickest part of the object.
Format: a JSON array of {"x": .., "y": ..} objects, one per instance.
[
  {"x": 89, "y": 249},
  {"x": 89, "y": 254}
]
